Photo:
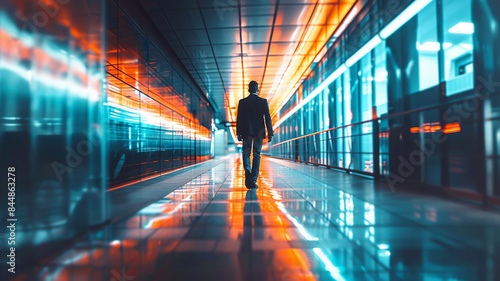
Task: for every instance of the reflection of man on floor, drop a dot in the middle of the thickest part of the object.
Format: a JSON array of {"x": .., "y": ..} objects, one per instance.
[
  {"x": 252, "y": 120},
  {"x": 254, "y": 261},
  {"x": 251, "y": 212}
]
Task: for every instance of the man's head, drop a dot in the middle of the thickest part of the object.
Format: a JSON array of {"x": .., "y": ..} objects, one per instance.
[{"x": 253, "y": 87}]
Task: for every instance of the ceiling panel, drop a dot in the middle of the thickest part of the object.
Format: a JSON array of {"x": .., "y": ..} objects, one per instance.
[
  {"x": 260, "y": 10},
  {"x": 220, "y": 18},
  {"x": 224, "y": 36},
  {"x": 203, "y": 60},
  {"x": 256, "y": 34},
  {"x": 257, "y": 2},
  {"x": 171, "y": 5},
  {"x": 256, "y": 21},
  {"x": 255, "y": 49},
  {"x": 294, "y": 14},
  {"x": 282, "y": 49},
  {"x": 254, "y": 64},
  {"x": 287, "y": 33},
  {"x": 227, "y": 50},
  {"x": 185, "y": 19},
  {"x": 193, "y": 37},
  {"x": 199, "y": 52}
]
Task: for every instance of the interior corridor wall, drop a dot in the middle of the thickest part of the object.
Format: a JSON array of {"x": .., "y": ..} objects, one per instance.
[
  {"x": 52, "y": 129},
  {"x": 159, "y": 119},
  {"x": 486, "y": 15},
  {"x": 421, "y": 108}
]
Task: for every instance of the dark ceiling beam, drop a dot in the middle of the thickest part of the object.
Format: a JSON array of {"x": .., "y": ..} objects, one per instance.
[
  {"x": 241, "y": 50},
  {"x": 270, "y": 40}
]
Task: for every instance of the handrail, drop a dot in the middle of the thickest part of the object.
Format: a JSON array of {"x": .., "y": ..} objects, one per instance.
[{"x": 381, "y": 118}]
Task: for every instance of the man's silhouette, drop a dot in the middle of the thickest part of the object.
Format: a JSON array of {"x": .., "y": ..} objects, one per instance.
[{"x": 252, "y": 120}]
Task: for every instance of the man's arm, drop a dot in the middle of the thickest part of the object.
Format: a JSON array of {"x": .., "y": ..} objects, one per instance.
[
  {"x": 269, "y": 122},
  {"x": 238, "y": 121}
]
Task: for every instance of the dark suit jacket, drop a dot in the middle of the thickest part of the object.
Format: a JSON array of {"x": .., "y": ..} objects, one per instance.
[{"x": 252, "y": 112}]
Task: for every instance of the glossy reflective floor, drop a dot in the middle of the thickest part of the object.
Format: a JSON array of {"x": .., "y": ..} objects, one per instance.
[{"x": 303, "y": 223}]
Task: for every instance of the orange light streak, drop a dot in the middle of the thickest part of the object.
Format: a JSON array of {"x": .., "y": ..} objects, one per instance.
[{"x": 449, "y": 128}]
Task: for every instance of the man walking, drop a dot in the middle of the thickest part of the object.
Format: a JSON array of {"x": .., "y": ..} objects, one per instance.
[{"x": 251, "y": 122}]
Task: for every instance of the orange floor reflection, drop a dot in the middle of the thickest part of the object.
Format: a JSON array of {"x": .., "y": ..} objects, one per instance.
[{"x": 256, "y": 236}]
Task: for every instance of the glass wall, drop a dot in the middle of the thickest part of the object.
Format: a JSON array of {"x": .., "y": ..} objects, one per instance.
[
  {"x": 405, "y": 110},
  {"x": 427, "y": 47},
  {"x": 458, "y": 31},
  {"x": 158, "y": 119},
  {"x": 51, "y": 122}
]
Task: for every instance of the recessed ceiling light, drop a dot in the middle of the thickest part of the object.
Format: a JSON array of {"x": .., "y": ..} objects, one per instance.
[{"x": 462, "y": 28}]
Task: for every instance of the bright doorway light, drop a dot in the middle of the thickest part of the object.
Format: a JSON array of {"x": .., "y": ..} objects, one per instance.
[{"x": 462, "y": 28}]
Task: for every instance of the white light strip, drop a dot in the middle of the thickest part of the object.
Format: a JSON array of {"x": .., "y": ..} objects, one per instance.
[
  {"x": 297, "y": 224},
  {"x": 364, "y": 50},
  {"x": 347, "y": 20},
  {"x": 404, "y": 17},
  {"x": 334, "y": 271},
  {"x": 113, "y": 88},
  {"x": 313, "y": 94}
]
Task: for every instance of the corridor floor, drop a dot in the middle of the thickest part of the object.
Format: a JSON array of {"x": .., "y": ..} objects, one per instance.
[{"x": 302, "y": 223}]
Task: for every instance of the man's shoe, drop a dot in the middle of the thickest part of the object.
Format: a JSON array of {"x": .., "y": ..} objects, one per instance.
[{"x": 248, "y": 184}]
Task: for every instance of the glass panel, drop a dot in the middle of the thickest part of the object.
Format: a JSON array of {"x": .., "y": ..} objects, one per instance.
[
  {"x": 348, "y": 115},
  {"x": 380, "y": 80},
  {"x": 125, "y": 134},
  {"x": 458, "y": 30},
  {"x": 427, "y": 48},
  {"x": 366, "y": 88},
  {"x": 177, "y": 141},
  {"x": 167, "y": 126},
  {"x": 150, "y": 136}
]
